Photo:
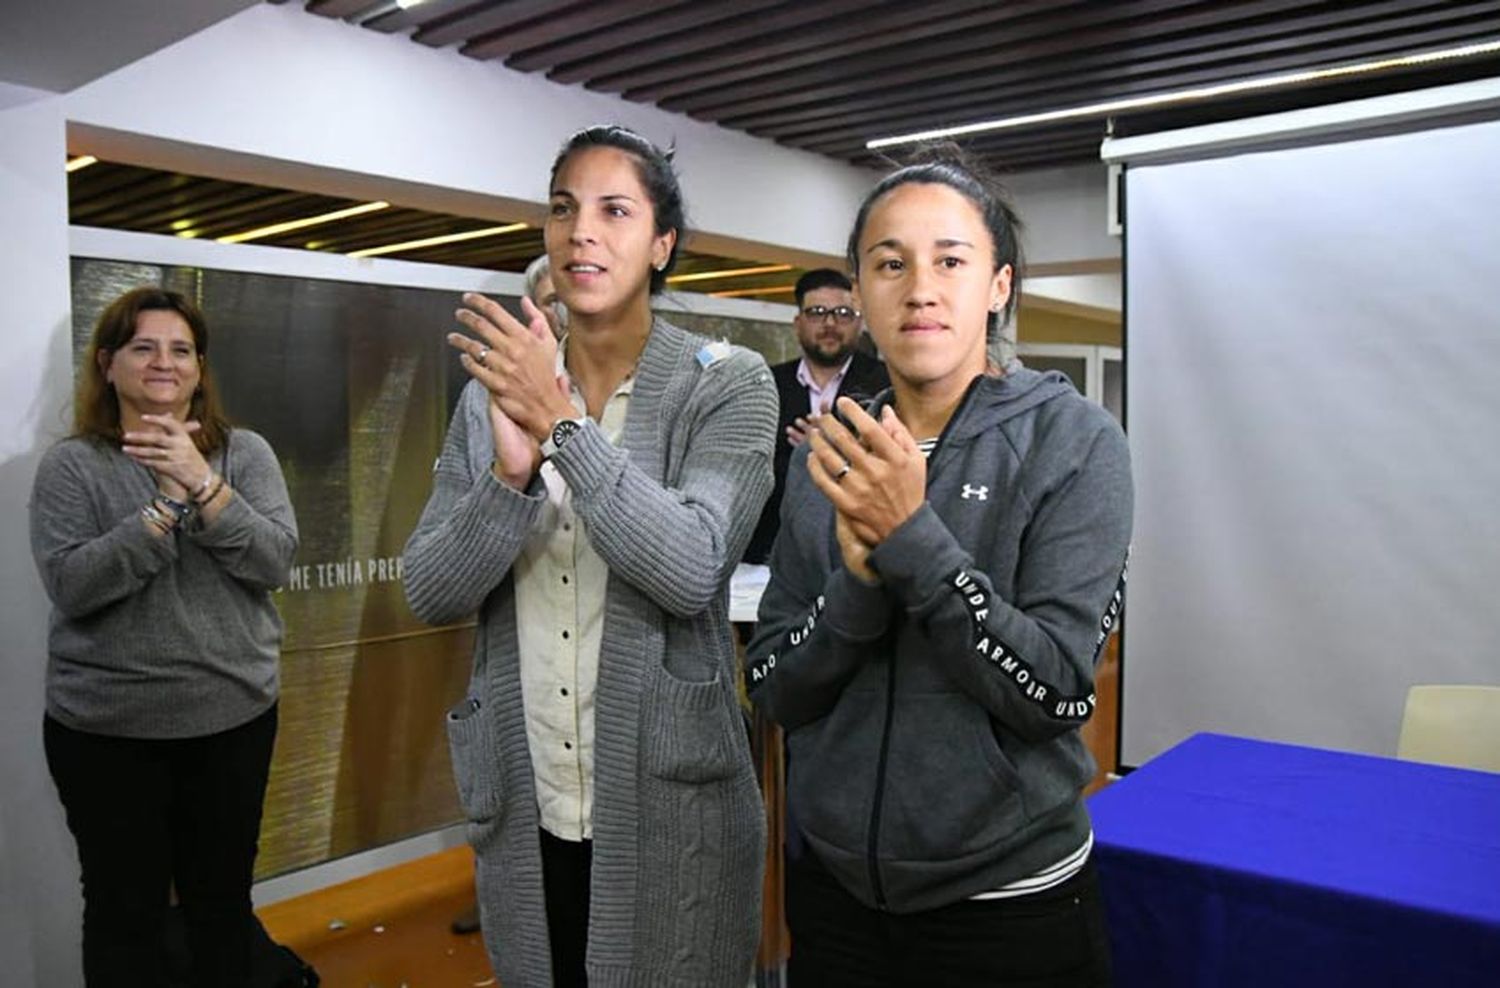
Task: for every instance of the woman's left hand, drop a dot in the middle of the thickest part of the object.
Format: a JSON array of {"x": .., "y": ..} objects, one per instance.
[
  {"x": 856, "y": 551},
  {"x": 876, "y": 480},
  {"x": 169, "y": 453},
  {"x": 516, "y": 363}
]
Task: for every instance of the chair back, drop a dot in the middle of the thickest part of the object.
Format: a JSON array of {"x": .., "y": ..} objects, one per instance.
[{"x": 1452, "y": 725}]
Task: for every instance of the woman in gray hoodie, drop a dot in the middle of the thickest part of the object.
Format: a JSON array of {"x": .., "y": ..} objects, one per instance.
[{"x": 949, "y": 565}]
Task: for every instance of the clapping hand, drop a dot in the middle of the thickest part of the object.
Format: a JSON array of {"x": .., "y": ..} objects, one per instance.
[
  {"x": 875, "y": 476},
  {"x": 168, "y": 451},
  {"x": 517, "y": 364}
]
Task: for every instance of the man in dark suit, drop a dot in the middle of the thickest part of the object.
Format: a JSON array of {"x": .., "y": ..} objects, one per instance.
[{"x": 828, "y": 327}]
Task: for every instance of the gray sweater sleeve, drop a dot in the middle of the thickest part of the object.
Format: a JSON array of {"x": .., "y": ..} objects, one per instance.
[
  {"x": 254, "y": 537},
  {"x": 1028, "y": 660},
  {"x": 469, "y": 535},
  {"x": 677, "y": 544},
  {"x": 86, "y": 562}
]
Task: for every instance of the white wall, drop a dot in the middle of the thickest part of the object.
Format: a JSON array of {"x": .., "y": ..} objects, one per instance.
[
  {"x": 1065, "y": 212},
  {"x": 1096, "y": 291},
  {"x": 39, "y": 901}
]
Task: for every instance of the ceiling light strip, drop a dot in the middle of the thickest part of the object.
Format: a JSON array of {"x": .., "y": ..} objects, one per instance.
[
  {"x": 81, "y": 162},
  {"x": 1187, "y": 95},
  {"x": 681, "y": 279},
  {"x": 747, "y": 292},
  {"x": 450, "y": 238},
  {"x": 289, "y": 225}
]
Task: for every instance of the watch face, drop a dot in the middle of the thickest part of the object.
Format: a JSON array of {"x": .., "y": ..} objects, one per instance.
[{"x": 563, "y": 430}]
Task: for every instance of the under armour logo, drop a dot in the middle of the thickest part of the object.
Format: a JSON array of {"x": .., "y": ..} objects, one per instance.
[{"x": 976, "y": 493}]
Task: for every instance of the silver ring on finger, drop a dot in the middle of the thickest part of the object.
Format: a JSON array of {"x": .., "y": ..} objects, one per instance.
[
  {"x": 839, "y": 476},
  {"x": 484, "y": 351}
]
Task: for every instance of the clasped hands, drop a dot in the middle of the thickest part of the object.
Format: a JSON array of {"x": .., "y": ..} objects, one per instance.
[
  {"x": 875, "y": 476},
  {"x": 517, "y": 364},
  {"x": 168, "y": 451}
]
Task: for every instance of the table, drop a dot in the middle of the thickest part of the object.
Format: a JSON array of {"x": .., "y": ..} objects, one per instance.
[{"x": 1229, "y": 862}]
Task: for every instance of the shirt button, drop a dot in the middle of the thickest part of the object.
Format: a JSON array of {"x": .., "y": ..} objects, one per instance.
[
  {"x": 565, "y": 634},
  {"x": 565, "y": 578},
  {"x": 564, "y": 691},
  {"x": 567, "y": 526},
  {"x": 568, "y": 745}
]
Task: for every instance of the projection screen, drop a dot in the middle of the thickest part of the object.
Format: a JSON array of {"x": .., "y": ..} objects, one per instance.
[{"x": 1313, "y": 402}]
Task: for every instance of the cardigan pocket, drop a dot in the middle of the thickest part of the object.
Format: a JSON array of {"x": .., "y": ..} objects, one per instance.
[
  {"x": 476, "y": 770},
  {"x": 688, "y": 729}
]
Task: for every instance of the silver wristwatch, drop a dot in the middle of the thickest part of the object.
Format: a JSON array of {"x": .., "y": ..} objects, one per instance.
[{"x": 562, "y": 431}]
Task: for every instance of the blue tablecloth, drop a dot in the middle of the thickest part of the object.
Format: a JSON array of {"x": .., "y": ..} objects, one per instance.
[{"x": 1228, "y": 862}]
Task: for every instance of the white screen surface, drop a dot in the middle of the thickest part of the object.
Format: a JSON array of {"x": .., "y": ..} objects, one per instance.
[{"x": 1313, "y": 401}]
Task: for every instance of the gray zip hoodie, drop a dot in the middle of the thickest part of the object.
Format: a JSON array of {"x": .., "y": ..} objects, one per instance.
[{"x": 933, "y": 720}]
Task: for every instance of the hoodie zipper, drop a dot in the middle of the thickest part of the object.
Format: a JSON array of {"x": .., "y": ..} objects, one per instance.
[
  {"x": 885, "y": 746},
  {"x": 872, "y": 851}
]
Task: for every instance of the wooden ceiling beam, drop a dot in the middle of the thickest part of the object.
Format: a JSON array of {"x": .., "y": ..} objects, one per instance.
[
  {"x": 658, "y": 38},
  {"x": 1186, "y": 48},
  {"x": 582, "y": 20},
  {"x": 229, "y": 211},
  {"x": 843, "y": 41},
  {"x": 804, "y": 27},
  {"x": 339, "y": 9},
  {"x": 419, "y": 16},
  {"x": 141, "y": 206},
  {"x": 977, "y": 52},
  {"x": 1102, "y": 80},
  {"x": 1019, "y": 100},
  {"x": 488, "y": 18}
]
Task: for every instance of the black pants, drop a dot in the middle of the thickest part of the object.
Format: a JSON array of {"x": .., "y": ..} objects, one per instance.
[
  {"x": 566, "y": 868},
  {"x": 148, "y": 815},
  {"x": 1053, "y": 939}
]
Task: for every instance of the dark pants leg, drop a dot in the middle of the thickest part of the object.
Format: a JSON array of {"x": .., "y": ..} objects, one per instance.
[
  {"x": 566, "y": 866},
  {"x": 1052, "y": 939},
  {"x": 116, "y": 792},
  {"x": 146, "y": 813},
  {"x": 219, "y": 789},
  {"x": 836, "y": 941}
]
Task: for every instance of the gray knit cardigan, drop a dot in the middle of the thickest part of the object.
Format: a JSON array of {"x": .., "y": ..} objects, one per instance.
[{"x": 678, "y": 821}]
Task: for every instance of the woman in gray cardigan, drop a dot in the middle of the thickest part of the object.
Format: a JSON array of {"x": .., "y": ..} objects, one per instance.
[
  {"x": 590, "y": 505},
  {"x": 159, "y": 533}
]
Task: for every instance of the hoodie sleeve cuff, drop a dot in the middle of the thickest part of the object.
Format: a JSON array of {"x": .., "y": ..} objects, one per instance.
[
  {"x": 855, "y": 610},
  {"x": 916, "y": 559}
]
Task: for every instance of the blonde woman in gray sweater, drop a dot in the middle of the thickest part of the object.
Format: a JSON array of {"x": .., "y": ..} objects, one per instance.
[
  {"x": 590, "y": 504},
  {"x": 159, "y": 533}
]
